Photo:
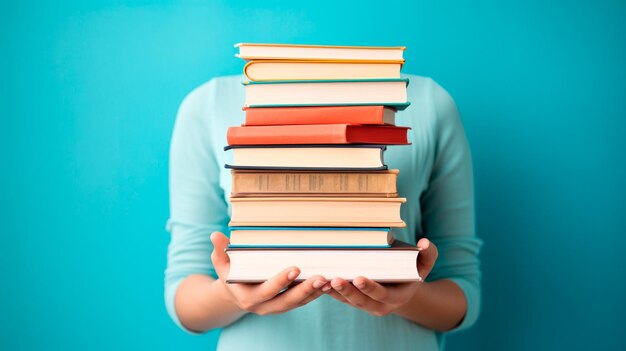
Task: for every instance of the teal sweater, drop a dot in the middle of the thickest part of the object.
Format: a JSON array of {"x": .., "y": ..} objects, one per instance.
[{"x": 435, "y": 177}]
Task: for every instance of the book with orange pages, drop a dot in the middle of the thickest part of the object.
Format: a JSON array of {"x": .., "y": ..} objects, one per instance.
[
  {"x": 395, "y": 264},
  {"x": 268, "y": 116},
  {"x": 350, "y": 92},
  {"x": 317, "y": 134},
  {"x": 249, "y": 51},
  {"x": 261, "y": 70},
  {"x": 316, "y": 211},
  {"x": 314, "y": 183}
]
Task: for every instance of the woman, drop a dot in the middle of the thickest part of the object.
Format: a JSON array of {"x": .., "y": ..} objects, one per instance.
[{"x": 317, "y": 314}]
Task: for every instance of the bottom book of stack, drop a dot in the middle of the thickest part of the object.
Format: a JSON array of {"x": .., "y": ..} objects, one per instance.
[{"x": 394, "y": 264}]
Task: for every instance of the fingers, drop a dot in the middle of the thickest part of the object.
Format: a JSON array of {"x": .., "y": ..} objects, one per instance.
[
  {"x": 318, "y": 283},
  {"x": 220, "y": 243},
  {"x": 218, "y": 256},
  {"x": 427, "y": 257},
  {"x": 356, "y": 297},
  {"x": 275, "y": 285},
  {"x": 296, "y": 296},
  {"x": 371, "y": 288},
  {"x": 393, "y": 295},
  {"x": 312, "y": 297},
  {"x": 337, "y": 296}
]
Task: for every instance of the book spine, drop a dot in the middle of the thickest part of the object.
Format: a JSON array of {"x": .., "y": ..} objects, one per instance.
[
  {"x": 268, "y": 183},
  {"x": 314, "y": 115}
]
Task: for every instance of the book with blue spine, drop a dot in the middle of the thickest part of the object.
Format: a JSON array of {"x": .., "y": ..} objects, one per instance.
[
  {"x": 303, "y": 237},
  {"x": 335, "y": 92}
]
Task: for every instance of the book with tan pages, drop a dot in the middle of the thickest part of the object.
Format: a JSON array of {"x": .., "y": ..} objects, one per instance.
[
  {"x": 314, "y": 183},
  {"x": 316, "y": 211},
  {"x": 263, "y": 70}
]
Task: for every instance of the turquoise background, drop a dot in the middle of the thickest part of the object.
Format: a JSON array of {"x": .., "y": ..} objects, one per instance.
[{"x": 89, "y": 93}]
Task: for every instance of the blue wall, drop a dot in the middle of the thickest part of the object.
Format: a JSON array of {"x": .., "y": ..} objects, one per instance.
[{"x": 89, "y": 92}]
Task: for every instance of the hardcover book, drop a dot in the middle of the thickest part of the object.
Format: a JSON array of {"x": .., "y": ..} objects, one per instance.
[
  {"x": 395, "y": 264},
  {"x": 309, "y": 237},
  {"x": 263, "y": 70},
  {"x": 316, "y": 211},
  {"x": 317, "y": 134},
  {"x": 308, "y": 157},
  {"x": 267, "y": 116},
  {"x": 256, "y": 51},
  {"x": 388, "y": 92},
  {"x": 314, "y": 183}
]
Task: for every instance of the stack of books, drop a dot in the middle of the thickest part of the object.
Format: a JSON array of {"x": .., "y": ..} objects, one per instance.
[{"x": 310, "y": 185}]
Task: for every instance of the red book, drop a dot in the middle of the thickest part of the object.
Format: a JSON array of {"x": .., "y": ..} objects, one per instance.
[
  {"x": 317, "y": 134},
  {"x": 268, "y": 116}
]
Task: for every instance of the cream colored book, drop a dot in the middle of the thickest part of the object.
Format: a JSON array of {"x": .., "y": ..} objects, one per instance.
[
  {"x": 250, "y": 51},
  {"x": 316, "y": 211},
  {"x": 308, "y": 157},
  {"x": 387, "y": 92},
  {"x": 265, "y": 70},
  {"x": 309, "y": 237}
]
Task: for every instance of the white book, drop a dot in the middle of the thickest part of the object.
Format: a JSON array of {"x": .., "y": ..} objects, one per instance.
[{"x": 395, "y": 264}]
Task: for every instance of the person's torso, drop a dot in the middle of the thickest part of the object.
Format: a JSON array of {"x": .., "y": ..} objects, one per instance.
[{"x": 326, "y": 324}]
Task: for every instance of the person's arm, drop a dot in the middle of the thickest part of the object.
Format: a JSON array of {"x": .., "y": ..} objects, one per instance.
[
  {"x": 197, "y": 208},
  {"x": 439, "y": 305},
  {"x": 202, "y": 303},
  {"x": 450, "y": 298}
]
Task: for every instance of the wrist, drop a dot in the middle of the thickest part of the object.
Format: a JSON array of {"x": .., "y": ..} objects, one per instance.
[
  {"x": 221, "y": 290},
  {"x": 409, "y": 305}
]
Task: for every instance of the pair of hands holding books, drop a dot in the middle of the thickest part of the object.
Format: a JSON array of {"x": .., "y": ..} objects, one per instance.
[{"x": 269, "y": 298}]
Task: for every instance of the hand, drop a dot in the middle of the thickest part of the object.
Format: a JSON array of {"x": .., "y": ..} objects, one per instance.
[
  {"x": 266, "y": 298},
  {"x": 382, "y": 299}
]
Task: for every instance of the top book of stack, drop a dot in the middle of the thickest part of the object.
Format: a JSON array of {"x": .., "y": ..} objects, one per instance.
[{"x": 319, "y": 52}]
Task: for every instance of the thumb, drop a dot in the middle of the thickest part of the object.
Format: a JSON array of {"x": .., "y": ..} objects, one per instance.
[
  {"x": 218, "y": 256},
  {"x": 427, "y": 257}
]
